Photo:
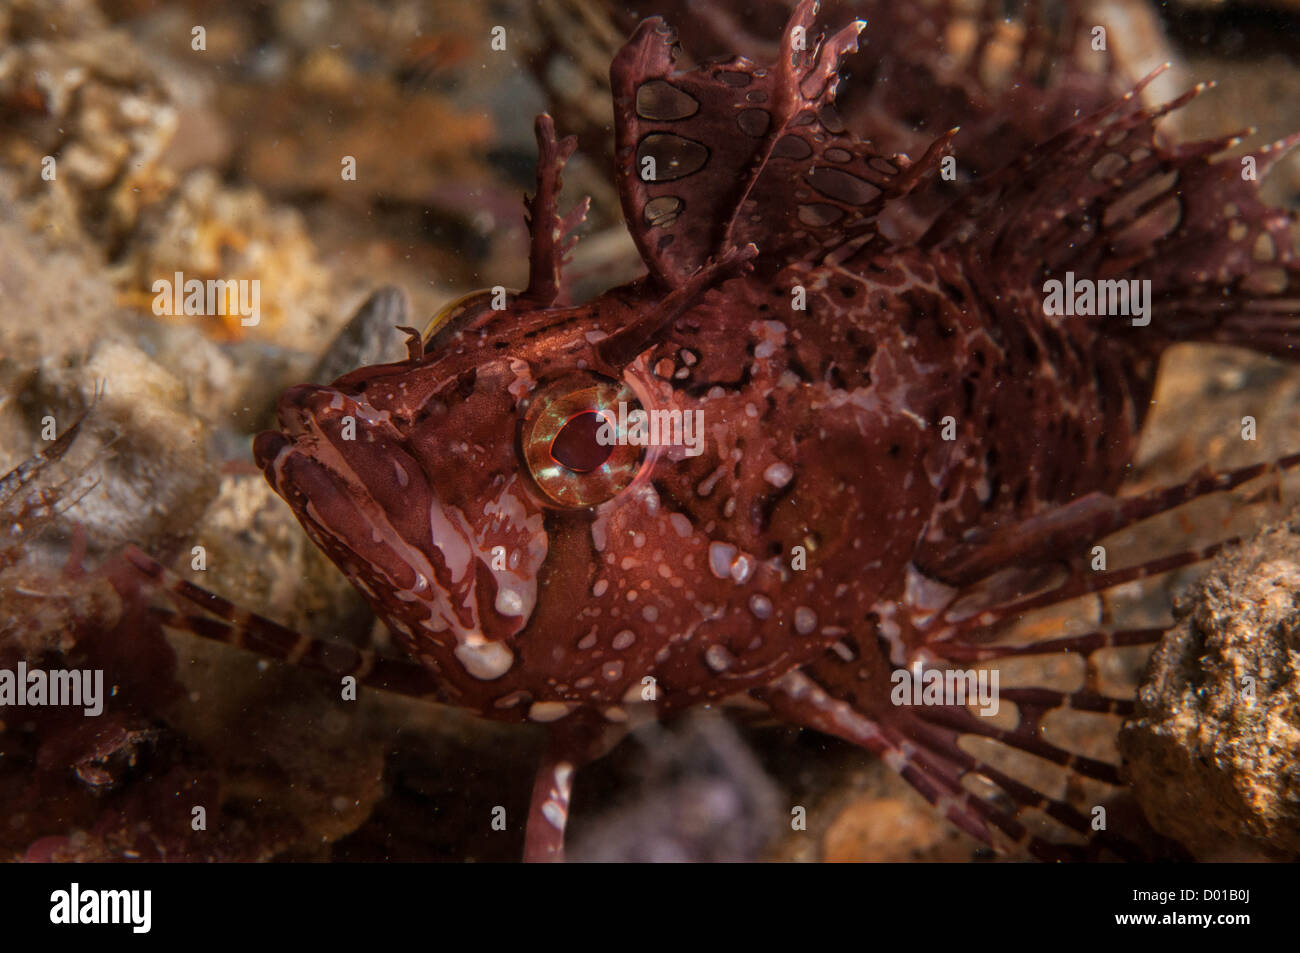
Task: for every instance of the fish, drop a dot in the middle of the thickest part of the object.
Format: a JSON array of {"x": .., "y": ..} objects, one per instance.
[{"x": 903, "y": 446}]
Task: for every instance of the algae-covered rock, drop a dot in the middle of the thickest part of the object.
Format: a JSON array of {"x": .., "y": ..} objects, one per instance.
[{"x": 1214, "y": 750}]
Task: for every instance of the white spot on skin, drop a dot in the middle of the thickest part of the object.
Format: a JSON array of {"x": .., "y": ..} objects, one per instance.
[
  {"x": 649, "y": 498},
  {"x": 742, "y": 567},
  {"x": 452, "y": 539},
  {"x": 549, "y": 711},
  {"x": 554, "y": 814},
  {"x": 720, "y": 557},
  {"x": 523, "y": 381},
  {"x": 650, "y": 614},
  {"x": 509, "y": 602},
  {"x": 925, "y": 593},
  {"x": 718, "y": 658},
  {"x": 708, "y": 483},
  {"x": 600, "y": 532},
  {"x": 805, "y": 620},
  {"x": 484, "y": 659},
  {"x": 761, "y": 606},
  {"x": 778, "y": 474},
  {"x": 614, "y": 713},
  {"x": 508, "y": 516},
  {"x": 624, "y": 640},
  {"x": 612, "y": 671},
  {"x": 599, "y": 588},
  {"x": 772, "y": 336},
  {"x": 564, "y": 779},
  {"x": 587, "y": 642},
  {"x": 681, "y": 524}
]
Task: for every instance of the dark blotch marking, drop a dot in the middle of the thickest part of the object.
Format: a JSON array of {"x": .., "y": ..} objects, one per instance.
[
  {"x": 663, "y": 102},
  {"x": 465, "y": 383},
  {"x": 754, "y": 122},
  {"x": 675, "y": 157}
]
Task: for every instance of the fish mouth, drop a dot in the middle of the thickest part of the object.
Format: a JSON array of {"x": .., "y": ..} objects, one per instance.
[
  {"x": 357, "y": 497},
  {"x": 296, "y": 413},
  {"x": 348, "y": 475},
  {"x": 315, "y": 423},
  {"x": 302, "y": 407},
  {"x": 267, "y": 447}
]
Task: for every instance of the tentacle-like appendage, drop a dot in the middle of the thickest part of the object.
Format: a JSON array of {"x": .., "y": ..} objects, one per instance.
[
  {"x": 1012, "y": 752},
  {"x": 936, "y": 750},
  {"x": 958, "y": 651},
  {"x": 232, "y": 625},
  {"x": 27, "y": 510},
  {"x": 1218, "y": 263},
  {"x": 551, "y": 233},
  {"x": 926, "y": 753},
  {"x": 21, "y": 476},
  {"x": 1026, "y": 737},
  {"x": 548, "y": 810},
  {"x": 621, "y": 347},
  {"x": 1078, "y": 584},
  {"x": 1082, "y": 521},
  {"x": 572, "y": 743}
]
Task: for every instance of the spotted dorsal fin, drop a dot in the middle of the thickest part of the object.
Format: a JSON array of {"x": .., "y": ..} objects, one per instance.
[{"x": 733, "y": 152}]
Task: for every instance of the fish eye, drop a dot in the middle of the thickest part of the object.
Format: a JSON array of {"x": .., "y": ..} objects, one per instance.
[
  {"x": 464, "y": 311},
  {"x": 569, "y": 440}
]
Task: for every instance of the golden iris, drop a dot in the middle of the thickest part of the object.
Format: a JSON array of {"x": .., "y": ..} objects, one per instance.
[{"x": 569, "y": 440}]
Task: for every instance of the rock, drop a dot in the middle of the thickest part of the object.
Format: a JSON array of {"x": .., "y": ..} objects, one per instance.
[
  {"x": 144, "y": 446},
  {"x": 890, "y": 822},
  {"x": 93, "y": 104},
  {"x": 1214, "y": 749},
  {"x": 369, "y": 337},
  {"x": 255, "y": 552},
  {"x": 702, "y": 797},
  {"x": 208, "y": 230}
]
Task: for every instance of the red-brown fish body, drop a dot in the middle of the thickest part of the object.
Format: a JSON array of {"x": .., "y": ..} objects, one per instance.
[
  {"x": 855, "y": 430},
  {"x": 822, "y": 440}
]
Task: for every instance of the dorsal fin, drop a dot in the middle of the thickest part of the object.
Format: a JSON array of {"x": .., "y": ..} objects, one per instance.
[
  {"x": 1109, "y": 199},
  {"x": 733, "y": 152}
]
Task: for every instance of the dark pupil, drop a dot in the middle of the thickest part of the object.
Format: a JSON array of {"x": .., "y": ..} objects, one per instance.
[{"x": 576, "y": 447}]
